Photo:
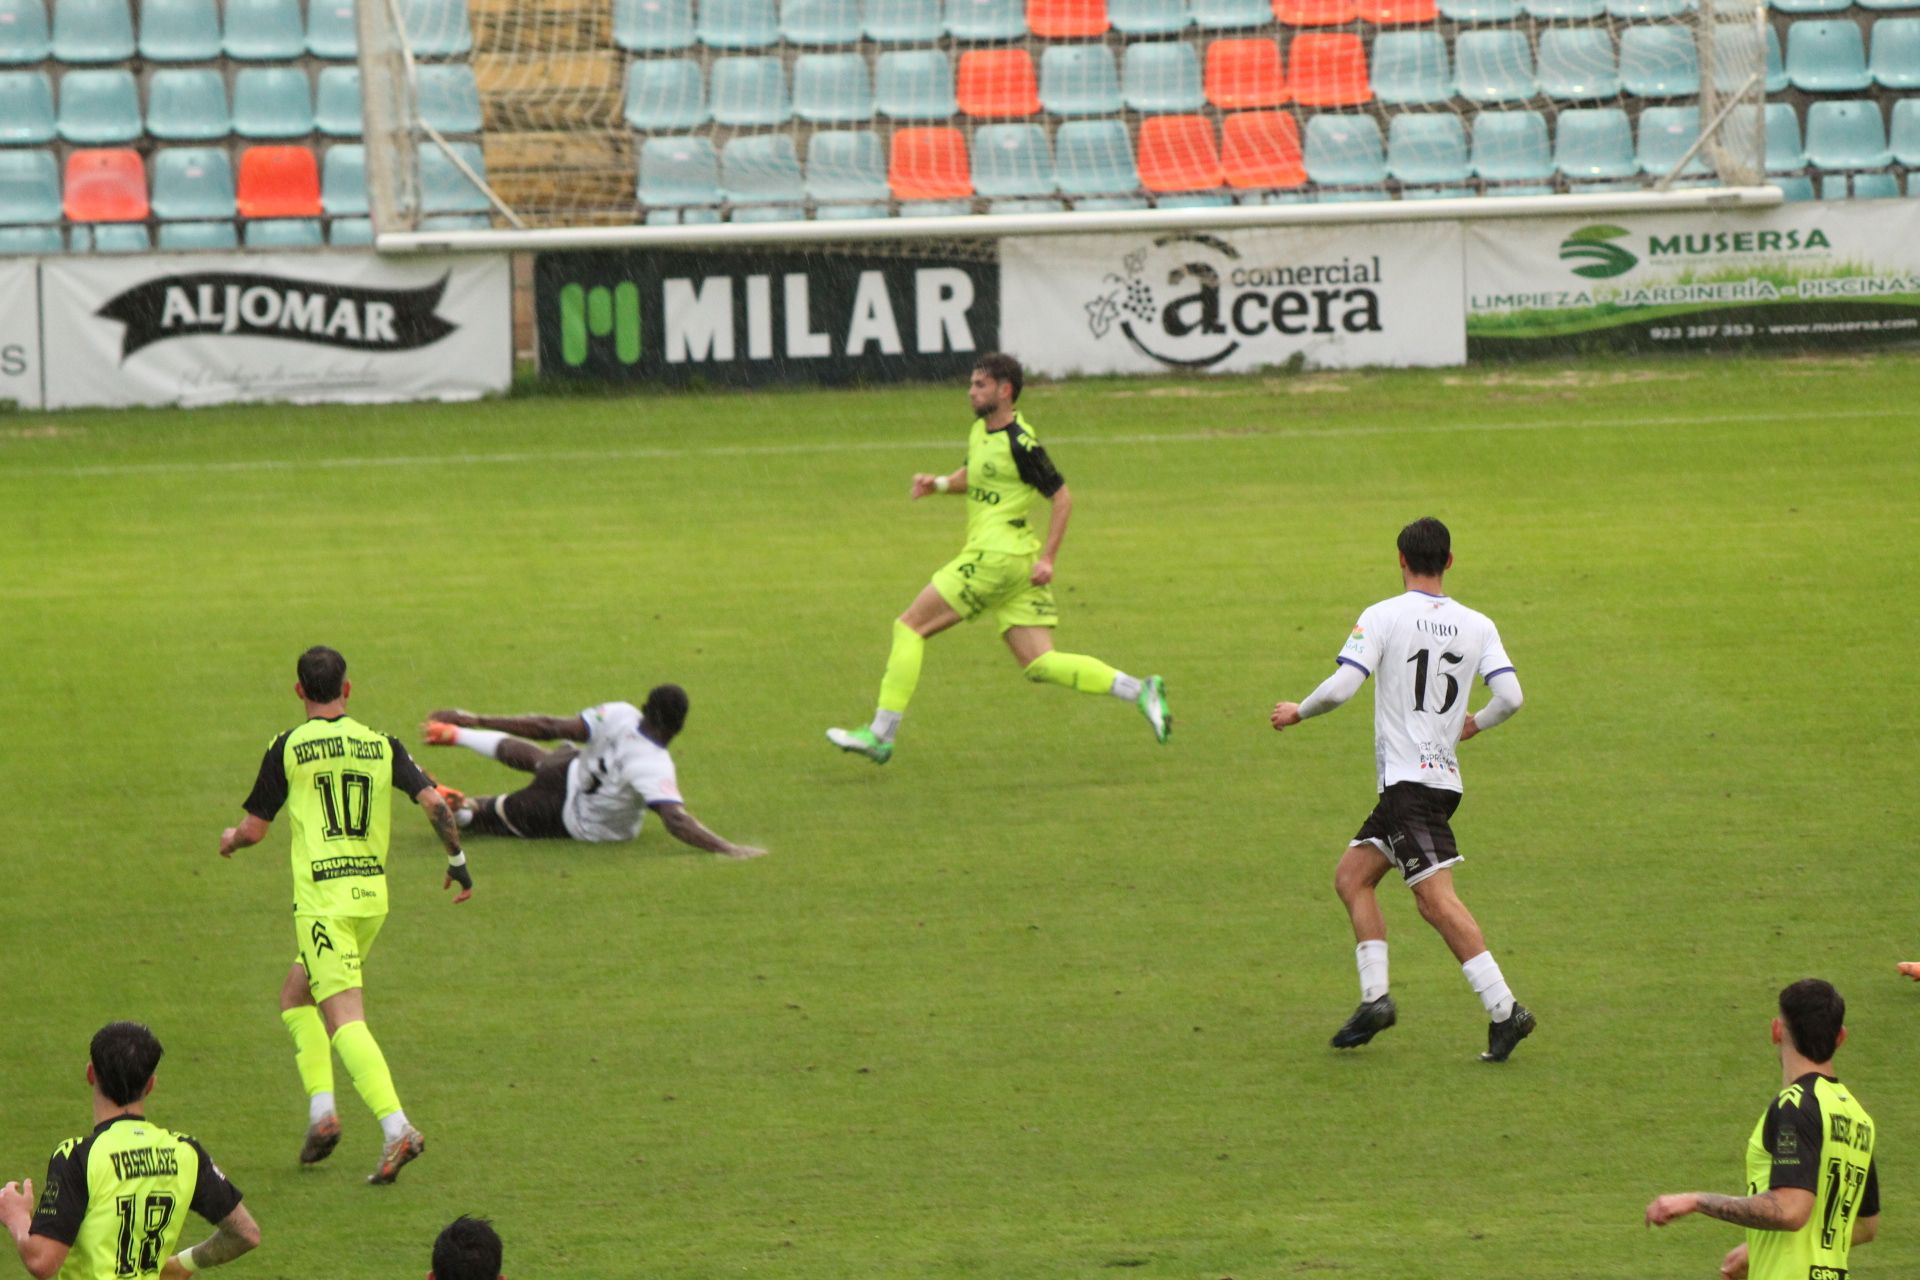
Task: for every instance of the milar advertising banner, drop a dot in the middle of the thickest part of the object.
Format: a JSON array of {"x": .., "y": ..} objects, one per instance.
[
  {"x": 215, "y": 329},
  {"x": 1799, "y": 275},
  {"x": 1227, "y": 301},
  {"x": 20, "y": 333}
]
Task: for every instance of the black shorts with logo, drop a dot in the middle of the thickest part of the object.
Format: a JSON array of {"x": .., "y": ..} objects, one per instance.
[
  {"x": 1411, "y": 825},
  {"x": 536, "y": 811}
]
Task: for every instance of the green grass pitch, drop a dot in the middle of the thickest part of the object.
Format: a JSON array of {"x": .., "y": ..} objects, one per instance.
[{"x": 1039, "y": 999}]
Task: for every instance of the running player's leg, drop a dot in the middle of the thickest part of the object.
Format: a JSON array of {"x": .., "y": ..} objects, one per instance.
[
  {"x": 336, "y": 985},
  {"x": 928, "y": 615},
  {"x": 1026, "y": 623},
  {"x": 1356, "y": 878},
  {"x": 1509, "y": 1022},
  {"x": 313, "y": 1057}
]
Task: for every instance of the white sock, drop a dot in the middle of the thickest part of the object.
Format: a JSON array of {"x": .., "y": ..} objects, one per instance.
[
  {"x": 485, "y": 741},
  {"x": 885, "y": 723},
  {"x": 1372, "y": 958},
  {"x": 392, "y": 1126},
  {"x": 1483, "y": 975},
  {"x": 319, "y": 1107},
  {"x": 1126, "y": 686}
]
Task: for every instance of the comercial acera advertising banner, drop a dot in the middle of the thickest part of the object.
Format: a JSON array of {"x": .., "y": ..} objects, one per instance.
[
  {"x": 1798, "y": 275},
  {"x": 20, "y": 333},
  {"x": 1232, "y": 300}
]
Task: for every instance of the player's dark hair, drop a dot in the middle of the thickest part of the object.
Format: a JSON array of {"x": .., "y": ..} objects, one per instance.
[
  {"x": 124, "y": 1056},
  {"x": 468, "y": 1249},
  {"x": 1814, "y": 1014},
  {"x": 1426, "y": 544},
  {"x": 665, "y": 710},
  {"x": 1002, "y": 367},
  {"x": 322, "y": 671}
]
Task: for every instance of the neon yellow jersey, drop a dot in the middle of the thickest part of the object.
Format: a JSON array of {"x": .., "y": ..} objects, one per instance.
[
  {"x": 119, "y": 1198},
  {"x": 1815, "y": 1136},
  {"x": 337, "y": 778},
  {"x": 1007, "y": 473}
]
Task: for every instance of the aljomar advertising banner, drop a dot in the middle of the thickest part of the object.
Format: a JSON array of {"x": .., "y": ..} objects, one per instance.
[{"x": 1799, "y": 275}]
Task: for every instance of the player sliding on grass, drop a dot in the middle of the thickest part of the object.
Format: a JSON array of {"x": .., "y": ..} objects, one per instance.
[
  {"x": 599, "y": 792},
  {"x": 1003, "y": 569},
  {"x": 1421, "y": 644}
]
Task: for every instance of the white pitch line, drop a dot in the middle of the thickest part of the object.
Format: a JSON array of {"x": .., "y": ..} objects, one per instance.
[{"x": 1215, "y": 435}]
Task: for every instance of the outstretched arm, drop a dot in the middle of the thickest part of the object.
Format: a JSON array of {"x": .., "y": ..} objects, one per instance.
[
  {"x": 251, "y": 831},
  {"x": 448, "y": 829},
  {"x": 236, "y": 1234},
  {"x": 925, "y": 483},
  {"x": 1781, "y": 1209},
  {"x": 687, "y": 829},
  {"x": 1334, "y": 690},
  {"x": 539, "y": 728}
]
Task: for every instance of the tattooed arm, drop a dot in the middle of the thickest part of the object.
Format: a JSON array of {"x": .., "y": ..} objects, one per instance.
[
  {"x": 236, "y": 1234},
  {"x": 539, "y": 728},
  {"x": 1781, "y": 1209},
  {"x": 448, "y": 829}
]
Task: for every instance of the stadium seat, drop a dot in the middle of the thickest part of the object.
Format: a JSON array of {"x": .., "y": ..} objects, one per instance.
[
  {"x": 929, "y": 164},
  {"x": 1245, "y": 73},
  {"x": 1809, "y": 6},
  {"x": 92, "y": 30},
  {"x": 1178, "y": 153},
  {"x": 23, "y": 32},
  {"x": 196, "y": 235},
  {"x": 1427, "y": 148},
  {"x": 846, "y": 166},
  {"x": 1875, "y": 186},
  {"x": 935, "y": 208},
  {"x": 998, "y": 83},
  {"x": 1260, "y": 150},
  {"x": 193, "y": 184},
  {"x": 1847, "y": 135},
  {"x": 748, "y": 91},
  {"x": 1345, "y": 151},
  {"x": 448, "y": 97},
  {"x": 29, "y": 187},
  {"x": 1410, "y": 68},
  {"x": 1013, "y": 160},
  {"x": 438, "y": 28},
  {"x": 767, "y": 213},
  {"x": 1026, "y": 204},
  {"x": 343, "y": 180},
  {"x": 664, "y": 94},
  {"x": 483, "y": 222},
  {"x": 1194, "y": 200},
  {"x": 179, "y": 30},
  {"x": 264, "y": 30},
  {"x": 1827, "y": 57},
  {"x": 653, "y": 26},
  {"x": 26, "y": 108},
  {"x": 1736, "y": 46},
  {"x": 1094, "y": 158},
  {"x": 1905, "y": 139},
  {"x": 914, "y": 84},
  {"x": 1776, "y": 63},
  {"x": 1160, "y": 76},
  {"x": 1494, "y": 66},
  {"x": 1659, "y": 62},
  {"x": 272, "y": 102},
  {"x": 107, "y": 237},
  {"x": 902, "y": 21},
  {"x": 108, "y": 185},
  {"x": 1576, "y": 63},
  {"x": 98, "y": 107},
  {"x": 336, "y": 102},
  {"x": 1511, "y": 146},
  {"x": 332, "y": 30},
  {"x": 1564, "y": 10},
  {"x": 821, "y": 22},
  {"x": 1888, "y": 4},
  {"x": 188, "y": 104},
  {"x": 1595, "y": 144},
  {"x": 28, "y": 241},
  {"x": 1479, "y": 10},
  {"x": 1896, "y": 53},
  {"x": 1065, "y": 19},
  {"x": 1388, "y": 13},
  {"x": 1313, "y": 13},
  {"x": 1785, "y": 154},
  {"x": 832, "y": 88},
  {"x": 445, "y": 189},
  {"x": 1328, "y": 69},
  {"x": 278, "y": 182},
  {"x": 763, "y": 169},
  {"x": 986, "y": 19},
  {"x": 1079, "y": 80},
  {"x": 1834, "y": 186},
  {"x": 675, "y": 172},
  {"x": 1630, "y": 10},
  {"x": 842, "y": 212},
  {"x": 737, "y": 24},
  {"x": 284, "y": 233},
  {"x": 1148, "y": 17},
  {"x": 1665, "y": 135},
  {"x": 1230, "y": 15},
  {"x": 1109, "y": 204}
]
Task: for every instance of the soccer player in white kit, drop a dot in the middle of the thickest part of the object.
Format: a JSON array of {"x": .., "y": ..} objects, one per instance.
[{"x": 1423, "y": 649}]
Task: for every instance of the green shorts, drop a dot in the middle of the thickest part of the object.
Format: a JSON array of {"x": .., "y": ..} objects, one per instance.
[
  {"x": 975, "y": 582},
  {"x": 332, "y": 950}
]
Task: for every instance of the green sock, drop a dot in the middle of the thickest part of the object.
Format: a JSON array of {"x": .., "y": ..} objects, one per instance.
[
  {"x": 368, "y": 1066},
  {"x": 310, "y": 1051},
  {"x": 903, "y": 668},
  {"x": 1072, "y": 671}
]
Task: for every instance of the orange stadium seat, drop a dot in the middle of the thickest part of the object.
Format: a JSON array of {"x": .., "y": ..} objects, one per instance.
[
  {"x": 1390, "y": 13},
  {"x": 998, "y": 82},
  {"x": 929, "y": 164},
  {"x": 1313, "y": 13},
  {"x": 1053, "y": 19},
  {"x": 1261, "y": 149},
  {"x": 106, "y": 185},
  {"x": 1245, "y": 73},
  {"x": 1178, "y": 153},
  {"x": 279, "y": 182},
  {"x": 1329, "y": 69}
]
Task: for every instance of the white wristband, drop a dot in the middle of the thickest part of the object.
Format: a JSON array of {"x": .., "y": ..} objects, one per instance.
[
  {"x": 942, "y": 483},
  {"x": 457, "y": 859},
  {"x": 186, "y": 1261}
]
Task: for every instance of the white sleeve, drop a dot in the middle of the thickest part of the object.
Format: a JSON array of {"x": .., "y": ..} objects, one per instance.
[
  {"x": 1362, "y": 649},
  {"x": 1493, "y": 659},
  {"x": 1505, "y": 687},
  {"x": 1334, "y": 690},
  {"x": 596, "y": 718},
  {"x": 652, "y": 777}
]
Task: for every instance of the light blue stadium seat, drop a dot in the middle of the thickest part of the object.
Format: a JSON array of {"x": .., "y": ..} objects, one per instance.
[
  {"x": 1012, "y": 160},
  {"x": 336, "y": 102},
  {"x": 197, "y": 235},
  {"x": 350, "y": 232},
  {"x": 1889, "y": 4},
  {"x": 1480, "y": 10},
  {"x": 179, "y": 30},
  {"x": 284, "y": 233},
  {"x": 762, "y": 169},
  {"x": 29, "y": 187},
  {"x": 264, "y": 30},
  {"x": 1896, "y": 53},
  {"x": 737, "y": 24},
  {"x": 1875, "y": 186},
  {"x": 27, "y": 241},
  {"x": 665, "y": 94},
  {"x": 675, "y": 172},
  {"x": 188, "y": 104},
  {"x": 448, "y": 97},
  {"x": 1785, "y": 154},
  {"x": 1148, "y": 17},
  {"x": 1344, "y": 151},
  {"x": 902, "y": 21},
  {"x": 1161, "y": 76},
  {"x": 822, "y": 22},
  {"x": 1905, "y": 134},
  {"x": 1094, "y": 158},
  {"x": 1632, "y": 9},
  {"x": 1411, "y": 68},
  {"x": 1109, "y": 204},
  {"x": 111, "y": 237},
  {"x": 1576, "y": 63},
  {"x": 1795, "y": 189},
  {"x": 846, "y": 166},
  {"x": 26, "y": 108},
  {"x": 986, "y": 19},
  {"x": 472, "y": 222},
  {"x": 1595, "y": 144},
  {"x": 272, "y": 102},
  {"x": 98, "y": 107},
  {"x": 914, "y": 84},
  {"x": 23, "y": 32},
  {"x": 1564, "y": 10},
  {"x": 1349, "y": 197},
  {"x": 1659, "y": 62},
  {"x": 1833, "y": 186},
  {"x": 935, "y": 208},
  {"x": 92, "y": 30},
  {"x": 1026, "y": 204},
  {"x": 332, "y": 29},
  {"x": 1511, "y": 146},
  {"x": 1736, "y": 47},
  {"x": 844, "y": 212},
  {"x": 1494, "y": 66},
  {"x": 1228, "y": 15},
  {"x": 1438, "y": 193},
  {"x": 748, "y": 90},
  {"x": 1665, "y": 135},
  {"x": 193, "y": 184},
  {"x": 832, "y": 88},
  {"x": 437, "y": 28},
  {"x": 1847, "y": 135},
  {"x": 768, "y": 213},
  {"x": 444, "y": 189},
  {"x": 653, "y": 26},
  {"x": 1194, "y": 200},
  {"x": 1427, "y": 148},
  {"x": 1079, "y": 80},
  {"x": 343, "y": 180},
  {"x": 1827, "y": 57},
  {"x": 1809, "y": 6}
]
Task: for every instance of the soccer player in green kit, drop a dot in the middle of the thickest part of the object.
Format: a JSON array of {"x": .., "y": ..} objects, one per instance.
[
  {"x": 337, "y": 776},
  {"x": 1005, "y": 569}
]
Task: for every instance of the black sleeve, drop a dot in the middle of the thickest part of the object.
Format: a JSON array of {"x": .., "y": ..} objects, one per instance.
[
  {"x": 1033, "y": 464},
  {"x": 408, "y": 777},
  {"x": 63, "y": 1200},
  {"x": 1792, "y": 1137},
  {"x": 213, "y": 1196},
  {"x": 1870, "y": 1198},
  {"x": 270, "y": 788}
]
